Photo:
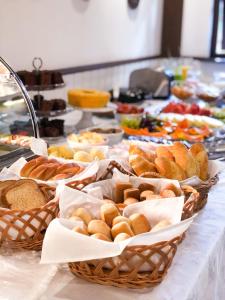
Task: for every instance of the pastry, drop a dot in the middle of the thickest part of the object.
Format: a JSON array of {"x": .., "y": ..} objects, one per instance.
[
  {"x": 131, "y": 193},
  {"x": 139, "y": 223},
  {"x": 145, "y": 195},
  {"x": 99, "y": 226},
  {"x": 119, "y": 219},
  {"x": 198, "y": 151},
  {"x": 121, "y": 227},
  {"x": 129, "y": 201},
  {"x": 163, "y": 151},
  {"x": 146, "y": 187},
  {"x": 84, "y": 214},
  {"x": 121, "y": 237},
  {"x": 162, "y": 224},
  {"x": 82, "y": 230},
  {"x": 101, "y": 236},
  {"x": 120, "y": 187},
  {"x": 185, "y": 159},
  {"x": 108, "y": 212},
  {"x": 141, "y": 165}
]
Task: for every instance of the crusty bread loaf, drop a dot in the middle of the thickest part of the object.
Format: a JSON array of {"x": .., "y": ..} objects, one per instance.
[
  {"x": 3, "y": 185},
  {"x": 23, "y": 195}
]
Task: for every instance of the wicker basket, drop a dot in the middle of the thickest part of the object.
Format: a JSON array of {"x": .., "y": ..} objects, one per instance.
[
  {"x": 25, "y": 229},
  {"x": 80, "y": 184},
  {"x": 143, "y": 256},
  {"x": 190, "y": 202},
  {"x": 203, "y": 190},
  {"x": 109, "y": 171}
]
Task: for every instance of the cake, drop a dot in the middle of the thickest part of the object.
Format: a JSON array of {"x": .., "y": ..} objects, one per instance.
[{"x": 88, "y": 98}]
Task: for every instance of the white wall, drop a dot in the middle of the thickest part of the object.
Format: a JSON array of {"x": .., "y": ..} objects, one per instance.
[
  {"x": 197, "y": 28},
  {"x": 69, "y": 33}
]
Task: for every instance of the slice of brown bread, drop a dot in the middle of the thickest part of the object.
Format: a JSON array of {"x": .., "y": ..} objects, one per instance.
[
  {"x": 24, "y": 195},
  {"x": 5, "y": 184}
]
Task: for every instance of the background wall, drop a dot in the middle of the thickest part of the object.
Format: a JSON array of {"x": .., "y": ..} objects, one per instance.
[
  {"x": 197, "y": 28},
  {"x": 78, "y": 32}
]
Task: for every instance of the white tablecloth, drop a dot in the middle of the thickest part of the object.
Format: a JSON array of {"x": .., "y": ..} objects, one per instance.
[{"x": 197, "y": 272}]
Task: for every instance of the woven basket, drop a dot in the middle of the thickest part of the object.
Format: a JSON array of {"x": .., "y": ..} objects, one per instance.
[
  {"x": 190, "y": 202},
  {"x": 25, "y": 229},
  {"x": 109, "y": 171},
  {"x": 80, "y": 184},
  {"x": 203, "y": 190},
  {"x": 132, "y": 259}
]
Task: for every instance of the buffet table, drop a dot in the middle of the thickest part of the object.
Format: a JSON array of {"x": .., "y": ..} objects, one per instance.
[{"x": 197, "y": 272}]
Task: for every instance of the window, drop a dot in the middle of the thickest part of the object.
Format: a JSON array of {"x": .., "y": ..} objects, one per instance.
[{"x": 218, "y": 37}]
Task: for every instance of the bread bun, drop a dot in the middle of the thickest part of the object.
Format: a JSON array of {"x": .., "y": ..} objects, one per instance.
[
  {"x": 173, "y": 188},
  {"x": 139, "y": 223},
  {"x": 31, "y": 165},
  {"x": 146, "y": 187},
  {"x": 129, "y": 201},
  {"x": 82, "y": 230},
  {"x": 145, "y": 195},
  {"x": 119, "y": 219},
  {"x": 76, "y": 219},
  {"x": 108, "y": 212},
  {"x": 119, "y": 191},
  {"x": 109, "y": 201},
  {"x": 101, "y": 236},
  {"x": 121, "y": 227},
  {"x": 99, "y": 226},
  {"x": 121, "y": 237},
  {"x": 167, "y": 193},
  {"x": 132, "y": 193},
  {"x": 162, "y": 224},
  {"x": 82, "y": 156},
  {"x": 84, "y": 214}
]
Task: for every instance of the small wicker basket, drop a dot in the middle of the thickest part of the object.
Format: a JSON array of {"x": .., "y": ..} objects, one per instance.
[
  {"x": 132, "y": 259},
  {"x": 25, "y": 229},
  {"x": 109, "y": 171}
]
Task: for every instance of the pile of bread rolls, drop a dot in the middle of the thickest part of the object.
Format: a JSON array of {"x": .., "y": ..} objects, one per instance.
[
  {"x": 112, "y": 226},
  {"x": 173, "y": 162},
  {"x": 125, "y": 194},
  {"x": 49, "y": 169}
]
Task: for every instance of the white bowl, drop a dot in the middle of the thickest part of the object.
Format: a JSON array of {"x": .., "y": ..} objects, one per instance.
[{"x": 121, "y": 117}]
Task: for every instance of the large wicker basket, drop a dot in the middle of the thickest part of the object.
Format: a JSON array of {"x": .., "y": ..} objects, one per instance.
[
  {"x": 25, "y": 229},
  {"x": 143, "y": 256}
]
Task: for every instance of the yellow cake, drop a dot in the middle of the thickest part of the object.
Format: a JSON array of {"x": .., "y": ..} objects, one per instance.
[{"x": 88, "y": 98}]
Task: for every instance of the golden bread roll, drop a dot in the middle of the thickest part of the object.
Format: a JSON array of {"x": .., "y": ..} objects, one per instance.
[
  {"x": 119, "y": 191},
  {"x": 135, "y": 150},
  {"x": 131, "y": 193},
  {"x": 141, "y": 165},
  {"x": 39, "y": 172},
  {"x": 163, "y": 151},
  {"x": 185, "y": 159},
  {"x": 83, "y": 156},
  {"x": 173, "y": 188},
  {"x": 31, "y": 165},
  {"x": 84, "y": 214},
  {"x": 61, "y": 176},
  {"x": 169, "y": 169},
  {"x": 121, "y": 227},
  {"x": 139, "y": 223},
  {"x": 146, "y": 187},
  {"x": 99, "y": 226},
  {"x": 167, "y": 193},
  {"x": 153, "y": 197},
  {"x": 119, "y": 219},
  {"x": 82, "y": 230},
  {"x": 145, "y": 195},
  {"x": 129, "y": 201},
  {"x": 121, "y": 237},
  {"x": 75, "y": 218},
  {"x": 200, "y": 154},
  {"x": 101, "y": 236},
  {"x": 108, "y": 212},
  {"x": 109, "y": 201},
  {"x": 162, "y": 224}
]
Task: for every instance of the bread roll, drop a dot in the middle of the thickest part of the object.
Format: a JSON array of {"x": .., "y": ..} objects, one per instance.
[
  {"x": 82, "y": 230},
  {"x": 139, "y": 223},
  {"x": 146, "y": 187},
  {"x": 31, "y": 165},
  {"x": 199, "y": 152},
  {"x": 84, "y": 214},
  {"x": 141, "y": 165},
  {"x": 121, "y": 227},
  {"x": 101, "y": 236},
  {"x": 119, "y": 189},
  {"x": 131, "y": 193},
  {"x": 145, "y": 195},
  {"x": 121, "y": 237},
  {"x": 162, "y": 224},
  {"x": 169, "y": 169},
  {"x": 129, "y": 201},
  {"x": 173, "y": 188},
  {"x": 119, "y": 219},
  {"x": 163, "y": 151},
  {"x": 76, "y": 219},
  {"x": 99, "y": 226},
  {"x": 167, "y": 193},
  {"x": 109, "y": 201},
  {"x": 108, "y": 212}
]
